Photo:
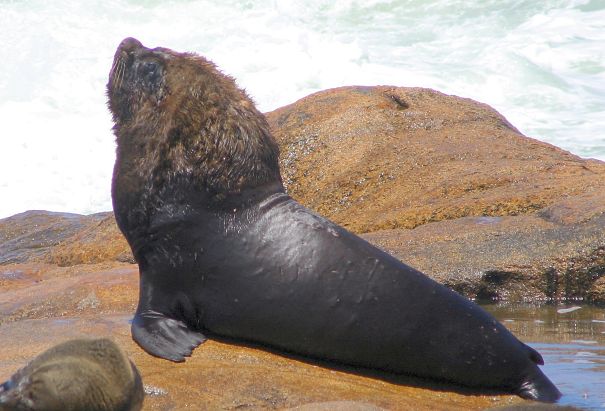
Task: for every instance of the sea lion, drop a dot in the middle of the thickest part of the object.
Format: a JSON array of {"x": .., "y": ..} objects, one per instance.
[
  {"x": 77, "y": 375},
  {"x": 223, "y": 250}
]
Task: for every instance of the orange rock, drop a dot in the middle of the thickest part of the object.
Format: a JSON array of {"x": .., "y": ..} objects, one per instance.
[
  {"x": 101, "y": 241},
  {"x": 375, "y": 158}
]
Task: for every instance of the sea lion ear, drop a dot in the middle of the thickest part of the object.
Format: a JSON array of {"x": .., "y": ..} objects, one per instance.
[{"x": 151, "y": 71}]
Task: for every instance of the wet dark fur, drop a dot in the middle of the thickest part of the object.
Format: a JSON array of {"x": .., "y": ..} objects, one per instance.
[
  {"x": 223, "y": 250},
  {"x": 78, "y": 375}
]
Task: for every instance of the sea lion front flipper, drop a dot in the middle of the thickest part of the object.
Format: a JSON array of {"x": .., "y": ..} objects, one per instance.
[{"x": 165, "y": 337}]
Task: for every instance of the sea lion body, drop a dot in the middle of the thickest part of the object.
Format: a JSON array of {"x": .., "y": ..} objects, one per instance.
[
  {"x": 223, "y": 250},
  {"x": 77, "y": 375}
]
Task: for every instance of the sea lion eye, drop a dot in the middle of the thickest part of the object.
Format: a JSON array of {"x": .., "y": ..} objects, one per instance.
[
  {"x": 149, "y": 67},
  {"x": 150, "y": 73}
]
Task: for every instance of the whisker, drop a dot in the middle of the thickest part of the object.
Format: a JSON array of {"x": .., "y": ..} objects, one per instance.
[
  {"x": 113, "y": 66},
  {"x": 120, "y": 74}
]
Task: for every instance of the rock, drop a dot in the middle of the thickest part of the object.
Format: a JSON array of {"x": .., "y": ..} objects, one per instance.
[
  {"x": 336, "y": 406},
  {"x": 530, "y": 258},
  {"x": 26, "y": 236},
  {"x": 597, "y": 291},
  {"x": 61, "y": 238},
  {"x": 376, "y": 158},
  {"x": 31, "y": 291},
  {"x": 95, "y": 243},
  {"x": 535, "y": 407}
]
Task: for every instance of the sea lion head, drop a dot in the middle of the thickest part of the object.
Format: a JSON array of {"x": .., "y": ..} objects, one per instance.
[
  {"x": 178, "y": 117},
  {"x": 79, "y": 374}
]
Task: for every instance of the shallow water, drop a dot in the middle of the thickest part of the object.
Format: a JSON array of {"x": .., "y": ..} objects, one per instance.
[{"x": 571, "y": 339}]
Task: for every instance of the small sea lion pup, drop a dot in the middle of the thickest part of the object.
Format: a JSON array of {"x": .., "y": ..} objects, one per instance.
[
  {"x": 222, "y": 250},
  {"x": 77, "y": 375}
]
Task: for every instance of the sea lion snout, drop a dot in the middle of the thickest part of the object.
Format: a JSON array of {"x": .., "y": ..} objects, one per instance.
[
  {"x": 129, "y": 52},
  {"x": 130, "y": 44},
  {"x": 136, "y": 79}
]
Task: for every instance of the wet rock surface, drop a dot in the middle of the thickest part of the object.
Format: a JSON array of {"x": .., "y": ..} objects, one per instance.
[
  {"x": 529, "y": 258},
  {"x": 445, "y": 184}
]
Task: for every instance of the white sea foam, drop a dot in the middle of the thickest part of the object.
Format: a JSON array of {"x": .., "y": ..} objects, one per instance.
[
  {"x": 541, "y": 64},
  {"x": 569, "y": 309}
]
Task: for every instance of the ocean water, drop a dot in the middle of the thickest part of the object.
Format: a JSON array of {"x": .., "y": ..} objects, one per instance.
[
  {"x": 572, "y": 342},
  {"x": 540, "y": 63}
]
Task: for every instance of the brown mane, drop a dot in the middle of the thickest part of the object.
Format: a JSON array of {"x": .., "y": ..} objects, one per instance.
[{"x": 195, "y": 123}]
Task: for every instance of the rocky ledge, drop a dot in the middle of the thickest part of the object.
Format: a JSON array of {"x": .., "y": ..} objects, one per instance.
[{"x": 444, "y": 183}]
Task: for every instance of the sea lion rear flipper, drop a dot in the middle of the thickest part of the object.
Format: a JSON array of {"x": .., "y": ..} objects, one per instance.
[
  {"x": 538, "y": 387},
  {"x": 165, "y": 337}
]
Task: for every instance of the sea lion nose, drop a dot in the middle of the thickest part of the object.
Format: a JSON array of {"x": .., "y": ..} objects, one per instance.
[{"x": 130, "y": 44}]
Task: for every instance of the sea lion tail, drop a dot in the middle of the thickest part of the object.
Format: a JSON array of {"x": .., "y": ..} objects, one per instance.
[{"x": 538, "y": 387}]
